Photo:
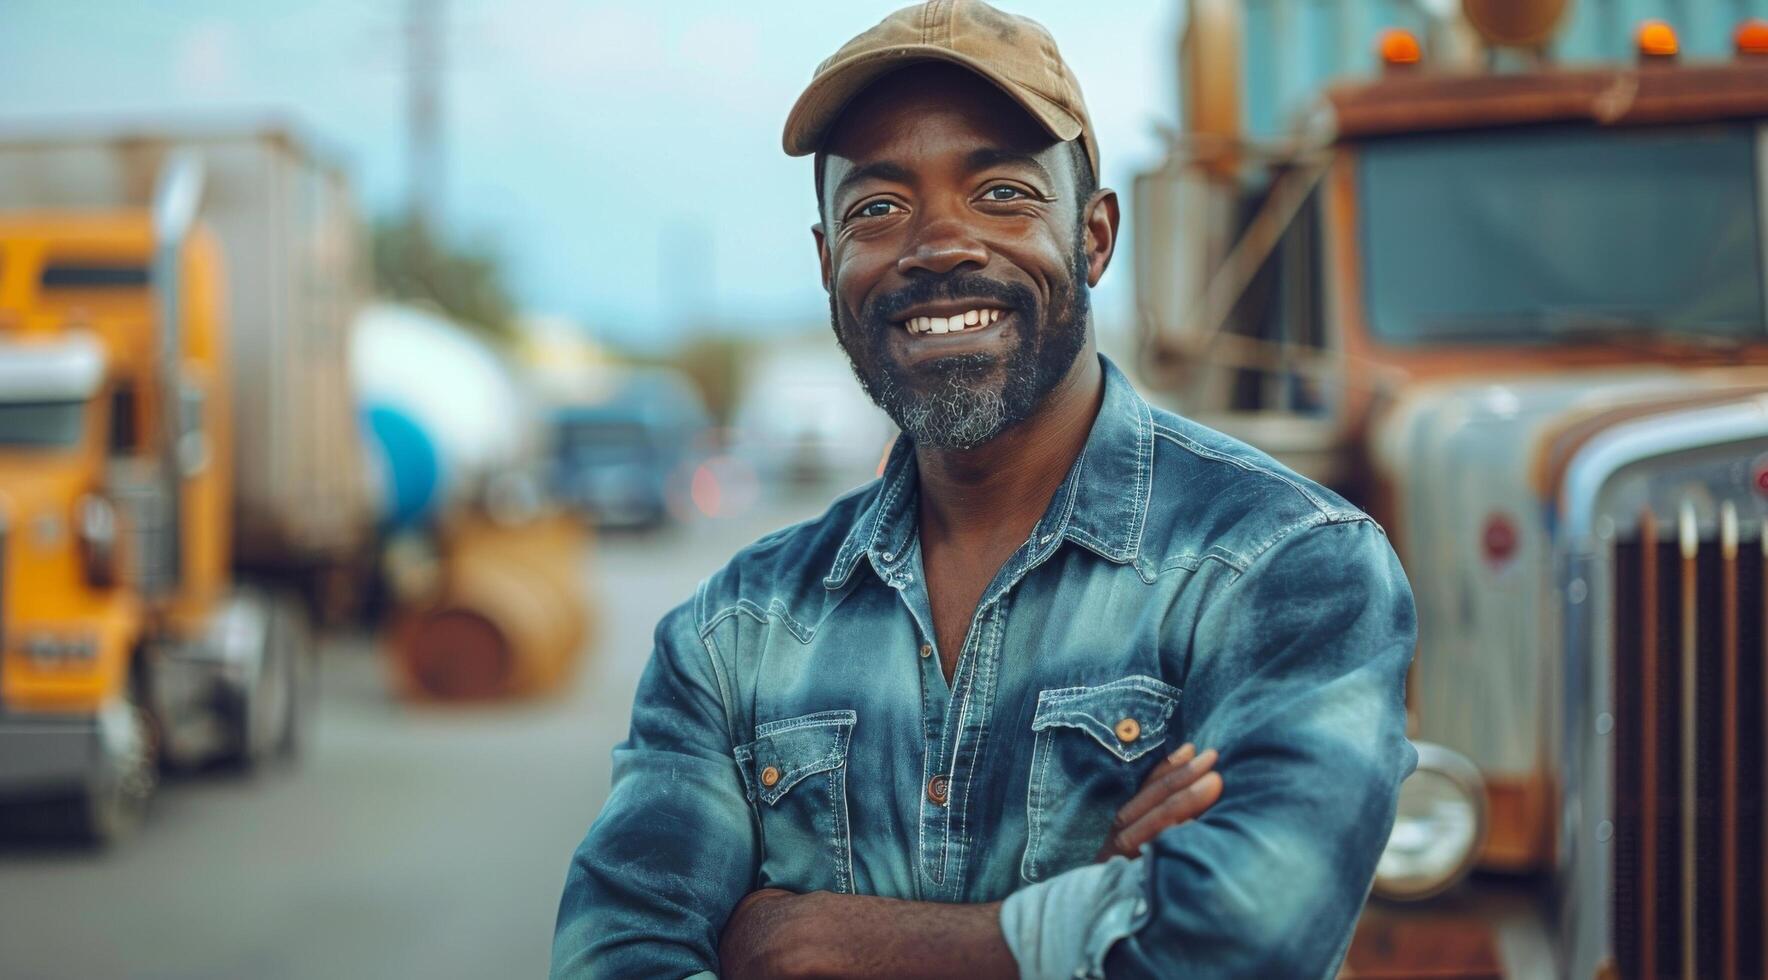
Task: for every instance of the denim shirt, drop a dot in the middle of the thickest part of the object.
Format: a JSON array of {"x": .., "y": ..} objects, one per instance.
[{"x": 793, "y": 728}]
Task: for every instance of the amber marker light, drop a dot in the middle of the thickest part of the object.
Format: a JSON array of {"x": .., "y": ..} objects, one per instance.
[
  {"x": 1399, "y": 48},
  {"x": 1752, "y": 37},
  {"x": 1657, "y": 40}
]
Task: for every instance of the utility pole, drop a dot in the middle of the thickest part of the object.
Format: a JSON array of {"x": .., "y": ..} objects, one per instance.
[{"x": 425, "y": 32}]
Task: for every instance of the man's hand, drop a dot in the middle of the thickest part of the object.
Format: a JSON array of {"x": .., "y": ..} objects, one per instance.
[{"x": 1177, "y": 790}]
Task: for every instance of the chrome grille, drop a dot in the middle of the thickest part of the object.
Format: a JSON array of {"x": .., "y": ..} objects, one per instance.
[{"x": 1690, "y": 886}]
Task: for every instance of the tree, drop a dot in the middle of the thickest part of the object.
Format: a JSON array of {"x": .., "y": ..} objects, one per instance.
[{"x": 466, "y": 284}]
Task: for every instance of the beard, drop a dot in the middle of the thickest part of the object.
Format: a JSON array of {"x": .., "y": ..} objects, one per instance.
[{"x": 963, "y": 401}]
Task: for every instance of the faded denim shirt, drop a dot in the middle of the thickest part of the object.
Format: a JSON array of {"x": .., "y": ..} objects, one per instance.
[{"x": 793, "y": 728}]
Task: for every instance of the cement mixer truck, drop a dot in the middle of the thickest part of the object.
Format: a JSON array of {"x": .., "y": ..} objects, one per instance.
[
  {"x": 179, "y": 470},
  {"x": 1497, "y": 272}
]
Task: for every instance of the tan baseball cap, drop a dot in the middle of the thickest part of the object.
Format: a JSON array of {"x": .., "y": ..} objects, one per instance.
[{"x": 1015, "y": 53}]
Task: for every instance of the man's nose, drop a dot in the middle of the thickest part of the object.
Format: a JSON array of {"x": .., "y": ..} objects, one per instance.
[{"x": 942, "y": 246}]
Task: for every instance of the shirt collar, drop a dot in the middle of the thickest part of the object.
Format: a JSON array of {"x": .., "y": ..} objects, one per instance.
[{"x": 1101, "y": 505}]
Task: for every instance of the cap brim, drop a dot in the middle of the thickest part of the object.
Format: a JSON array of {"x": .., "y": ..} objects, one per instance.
[{"x": 816, "y": 110}]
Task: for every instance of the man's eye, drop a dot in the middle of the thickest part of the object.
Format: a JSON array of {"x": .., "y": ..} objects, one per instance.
[
  {"x": 1004, "y": 193},
  {"x": 876, "y": 209}
]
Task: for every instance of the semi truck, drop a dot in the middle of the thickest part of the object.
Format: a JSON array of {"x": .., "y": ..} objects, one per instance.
[
  {"x": 1497, "y": 273},
  {"x": 180, "y": 477}
]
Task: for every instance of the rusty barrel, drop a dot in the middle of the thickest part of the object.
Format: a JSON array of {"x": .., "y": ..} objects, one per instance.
[{"x": 510, "y": 619}]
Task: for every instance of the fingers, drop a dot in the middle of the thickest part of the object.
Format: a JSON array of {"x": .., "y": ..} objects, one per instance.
[
  {"x": 1185, "y": 804},
  {"x": 1171, "y": 763},
  {"x": 1162, "y": 783}
]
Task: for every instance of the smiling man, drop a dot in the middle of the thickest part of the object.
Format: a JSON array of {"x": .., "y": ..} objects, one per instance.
[{"x": 947, "y": 729}]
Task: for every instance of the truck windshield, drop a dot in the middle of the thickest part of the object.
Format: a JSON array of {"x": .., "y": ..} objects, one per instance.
[
  {"x": 45, "y": 425},
  {"x": 1558, "y": 235}
]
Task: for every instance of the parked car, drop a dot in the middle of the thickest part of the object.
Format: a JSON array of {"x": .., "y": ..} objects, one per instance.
[{"x": 620, "y": 458}]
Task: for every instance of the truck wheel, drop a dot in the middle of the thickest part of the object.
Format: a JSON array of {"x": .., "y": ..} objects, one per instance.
[
  {"x": 112, "y": 805},
  {"x": 270, "y": 721},
  {"x": 254, "y": 709},
  {"x": 301, "y": 669}
]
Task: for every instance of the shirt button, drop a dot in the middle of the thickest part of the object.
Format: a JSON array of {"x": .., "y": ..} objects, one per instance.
[
  {"x": 770, "y": 776},
  {"x": 1128, "y": 730},
  {"x": 926, "y": 649},
  {"x": 938, "y": 788}
]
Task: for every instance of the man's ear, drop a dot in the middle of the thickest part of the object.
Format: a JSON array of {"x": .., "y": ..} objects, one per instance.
[
  {"x": 822, "y": 254},
  {"x": 1102, "y": 219}
]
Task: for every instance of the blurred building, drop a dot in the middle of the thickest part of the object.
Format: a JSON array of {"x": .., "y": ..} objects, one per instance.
[{"x": 803, "y": 417}]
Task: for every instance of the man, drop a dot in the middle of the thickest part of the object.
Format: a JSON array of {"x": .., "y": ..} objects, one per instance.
[{"x": 946, "y": 728}]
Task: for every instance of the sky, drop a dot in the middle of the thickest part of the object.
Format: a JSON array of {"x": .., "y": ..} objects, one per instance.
[{"x": 623, "y": 157}]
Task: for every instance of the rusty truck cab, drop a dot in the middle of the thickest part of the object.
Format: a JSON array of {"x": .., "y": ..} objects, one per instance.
[{"x": 1522, "y": 318}]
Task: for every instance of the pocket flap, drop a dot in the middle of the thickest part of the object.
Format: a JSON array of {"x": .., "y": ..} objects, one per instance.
[
  {"x": 1128, "y": 716},
  {"x": 786, "y": 751}
]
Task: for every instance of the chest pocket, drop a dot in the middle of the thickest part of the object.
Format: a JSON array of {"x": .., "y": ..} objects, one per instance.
[
  {"x": 1093, "y": 747},
  {"x": 795, "y": 774}
]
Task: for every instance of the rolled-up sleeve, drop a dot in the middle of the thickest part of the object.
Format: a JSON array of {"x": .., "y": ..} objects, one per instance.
[
  {"x": 674, "y": 850},
  {"x": 1297, "y": 675}
]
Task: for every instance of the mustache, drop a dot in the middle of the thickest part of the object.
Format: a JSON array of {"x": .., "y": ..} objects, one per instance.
[{"x": 891, "y": 306}]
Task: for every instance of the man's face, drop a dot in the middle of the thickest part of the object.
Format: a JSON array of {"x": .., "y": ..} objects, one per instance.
[{"x": 941, "y": 198}]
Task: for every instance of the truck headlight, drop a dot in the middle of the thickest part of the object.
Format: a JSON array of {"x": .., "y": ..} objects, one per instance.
[{"x": 1438, "y": 830}]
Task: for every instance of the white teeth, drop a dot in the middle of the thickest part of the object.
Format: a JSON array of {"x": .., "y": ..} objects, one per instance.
[{"x": 950, "y": 324}]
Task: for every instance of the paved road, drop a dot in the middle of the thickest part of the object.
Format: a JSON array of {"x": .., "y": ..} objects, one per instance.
[{"x": 410, "y": 842}]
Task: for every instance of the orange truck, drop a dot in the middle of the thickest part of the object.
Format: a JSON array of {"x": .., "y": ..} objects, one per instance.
[
  {"x": 1497, "y": 272},
  {"x": 173, "y": 495}
]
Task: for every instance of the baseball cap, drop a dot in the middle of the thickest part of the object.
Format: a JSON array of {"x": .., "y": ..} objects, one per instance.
[{"x": 1015, "y": 53}]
